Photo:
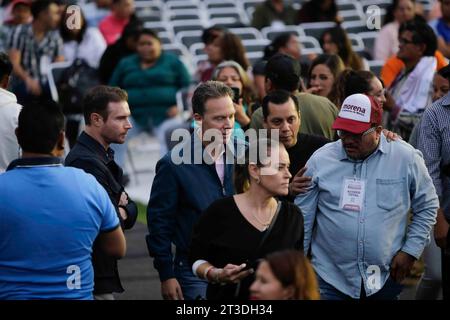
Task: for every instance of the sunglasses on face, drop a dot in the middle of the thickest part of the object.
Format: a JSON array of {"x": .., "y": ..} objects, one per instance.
[{"x": 343, "y": 134}]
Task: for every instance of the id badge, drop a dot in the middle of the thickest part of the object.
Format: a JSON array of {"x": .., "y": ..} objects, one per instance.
[{"x": 352, "y": 196}]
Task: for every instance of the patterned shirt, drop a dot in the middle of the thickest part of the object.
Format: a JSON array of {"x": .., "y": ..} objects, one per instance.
[
  {"x": 434, "y": 142},
  {"x": 36, "y": 56}
]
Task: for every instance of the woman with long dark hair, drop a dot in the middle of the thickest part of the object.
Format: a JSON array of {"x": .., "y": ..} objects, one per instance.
[
  {"x": 227, "y": 46},
  {"x": 336, "y": 41},
  {"x": 85, "y": 43}
]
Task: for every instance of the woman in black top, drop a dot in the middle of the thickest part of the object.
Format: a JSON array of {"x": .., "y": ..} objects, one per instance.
[{"x": 235, "y": 232}]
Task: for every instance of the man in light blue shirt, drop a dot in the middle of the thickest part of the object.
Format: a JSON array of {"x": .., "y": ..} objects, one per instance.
[{"x": 356, "y": 209}]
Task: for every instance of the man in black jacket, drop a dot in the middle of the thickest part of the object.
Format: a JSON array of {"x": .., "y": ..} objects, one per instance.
[{"x": 106, "y": 114}]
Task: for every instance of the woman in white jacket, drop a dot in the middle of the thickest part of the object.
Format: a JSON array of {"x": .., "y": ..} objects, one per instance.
[{"x": 81, "y": 41}]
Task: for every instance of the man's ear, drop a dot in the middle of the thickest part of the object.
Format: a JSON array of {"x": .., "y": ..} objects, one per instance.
[
  {"x": 265, "y": 124},
  {"x": 268, "y": 85},
  {"x": 96, "y": 119},
  {"x": 58, "y": 150},
  {"x": 61, "y": 140},
  {"x": 422, "y": 48}
]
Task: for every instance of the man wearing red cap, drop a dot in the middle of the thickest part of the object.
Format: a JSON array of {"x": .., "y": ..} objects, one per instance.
[{"x": 356, "y": 209}]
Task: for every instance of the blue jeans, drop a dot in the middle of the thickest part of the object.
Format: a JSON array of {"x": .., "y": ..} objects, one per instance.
[
  {"x": 192, "y": 287},
  {"x": 390, "y": 291}
]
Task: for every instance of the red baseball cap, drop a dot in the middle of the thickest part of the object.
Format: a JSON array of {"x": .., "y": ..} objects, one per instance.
[{"x": 359, "y": 112}]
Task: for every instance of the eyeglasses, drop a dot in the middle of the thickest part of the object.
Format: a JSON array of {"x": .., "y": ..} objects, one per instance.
[{"x": 343, "y": 134}]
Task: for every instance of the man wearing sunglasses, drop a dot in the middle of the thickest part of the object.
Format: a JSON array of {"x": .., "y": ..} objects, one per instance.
[{"x": 356, "y": 209}]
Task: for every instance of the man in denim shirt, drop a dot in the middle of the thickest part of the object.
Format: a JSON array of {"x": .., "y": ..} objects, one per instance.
[{"x": 356, "y": 210}]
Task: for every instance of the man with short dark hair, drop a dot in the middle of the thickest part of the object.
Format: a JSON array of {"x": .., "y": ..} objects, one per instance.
[
  {"x": 182, "y": 190},
  {"x": 412, "y": 89},
  {"x": 281, "y": 111},
  {"x": 358, "y": 205},
  {"x": 50, "y": 216},
  {"x": 9, "y": 113},
  {"x": 310, "y": 122},
  {"x": 318, "y": 113},
  {"x": 32, "y": 47},
  {"x": 106, "y": 113}
]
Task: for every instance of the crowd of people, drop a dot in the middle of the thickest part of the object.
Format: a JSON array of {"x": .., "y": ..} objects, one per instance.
[{"x": 317, "y": 178}]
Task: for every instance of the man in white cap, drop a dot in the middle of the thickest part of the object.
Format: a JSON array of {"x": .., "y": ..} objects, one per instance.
[{"x": 356, "y": 209}]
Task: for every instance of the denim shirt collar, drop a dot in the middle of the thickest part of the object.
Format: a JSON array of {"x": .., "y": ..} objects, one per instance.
[
  {"x": 35, "y": 162},
  {"x": 105, "y": 155}
]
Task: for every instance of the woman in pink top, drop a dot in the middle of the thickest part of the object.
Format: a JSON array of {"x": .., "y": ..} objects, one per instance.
[
  {"x": 386, "y": 43},
  {"x": 112, "y": 26}
]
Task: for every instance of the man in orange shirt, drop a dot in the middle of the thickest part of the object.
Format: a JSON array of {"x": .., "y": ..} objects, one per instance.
[{"x": 394, "y": 65}]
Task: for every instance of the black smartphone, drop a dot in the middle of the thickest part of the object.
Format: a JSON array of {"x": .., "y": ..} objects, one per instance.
[
  {"x": 237, "y": 94},
  {"x": 251, "y": 265}
]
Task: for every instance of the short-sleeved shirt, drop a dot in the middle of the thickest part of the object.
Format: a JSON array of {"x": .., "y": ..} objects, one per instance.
[
  {"x": 50, "y": 216},
  {"x": 36, "y": 56}
]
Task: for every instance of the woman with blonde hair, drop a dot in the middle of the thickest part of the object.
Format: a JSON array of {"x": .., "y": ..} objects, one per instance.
[
  {"x": 285, "y": 275},
  {"x": 233, "y": 75}
]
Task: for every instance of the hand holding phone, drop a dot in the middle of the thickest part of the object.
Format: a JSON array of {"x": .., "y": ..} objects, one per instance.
[{"x": 237, "y": 94}]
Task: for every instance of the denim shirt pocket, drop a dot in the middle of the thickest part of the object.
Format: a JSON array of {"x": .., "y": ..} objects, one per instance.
[{"x": 390, "y": 193}]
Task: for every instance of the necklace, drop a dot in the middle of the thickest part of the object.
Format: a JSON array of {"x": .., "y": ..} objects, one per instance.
[{"x": 269, "y": 220}]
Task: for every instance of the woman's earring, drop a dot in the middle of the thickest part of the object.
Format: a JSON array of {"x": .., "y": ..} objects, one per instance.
[{"x": 258, "y": 180}]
